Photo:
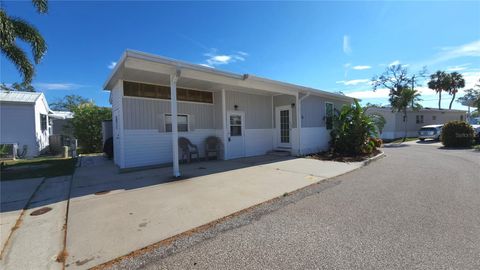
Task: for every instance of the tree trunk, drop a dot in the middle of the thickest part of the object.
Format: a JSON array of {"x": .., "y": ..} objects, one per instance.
[
  {"x": 405, "y": 117},
  {"x": 451, "y": 102},
  {"x": 440, "y": 100}
]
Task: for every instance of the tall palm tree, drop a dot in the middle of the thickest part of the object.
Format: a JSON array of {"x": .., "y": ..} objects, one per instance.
[
  {"x": 456, "y": 82},
  {"x": 13, "y": 28},
  {"x": 407, "y": 98},
  {"x": 439, "y": 82}
]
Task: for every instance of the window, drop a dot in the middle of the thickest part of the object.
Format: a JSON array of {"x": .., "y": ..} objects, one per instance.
[
  {"x": 419, "y": 119},
  {"x": 43, "y": 122},
  {"x": 329, "y": 115},
  {"x": 434, "y": 117},
  {"x": 182, "y": 123},
  {"x": 235, "y": 125},
  {"x": 461, "y": 117},
  {"x": 134, "y": 89}
]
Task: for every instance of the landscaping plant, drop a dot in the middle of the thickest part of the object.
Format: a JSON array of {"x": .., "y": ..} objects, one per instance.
[
  {"x": 352, "y": 130},
  {"x": 457, "y": 134},
  {"x": 87, "y": 126}
]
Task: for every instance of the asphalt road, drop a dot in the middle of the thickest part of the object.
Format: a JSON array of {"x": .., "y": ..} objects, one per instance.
[{"x": 417, "y": 208}]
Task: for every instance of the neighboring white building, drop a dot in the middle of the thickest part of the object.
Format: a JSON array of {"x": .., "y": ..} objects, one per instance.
[
  {"x": 250, "y": 115},
  {"x": 395, "y": 124},
  {"x": 24, "y": 120}
]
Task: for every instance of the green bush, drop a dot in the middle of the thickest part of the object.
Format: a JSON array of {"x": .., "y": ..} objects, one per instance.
[
  {"x": 352, "y": 130},
  {"x": 457, "y": 134}
]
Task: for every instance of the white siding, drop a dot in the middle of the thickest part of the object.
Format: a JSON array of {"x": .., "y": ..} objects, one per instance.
[
  {"x": 41, "y": 136},
  {"x": 257, "y": 108},
  {"x": 18, "y": 126},
  {"x": 117, "y": 124},
  {"x": 150, "y": 147},
  {"x": 258, "y": 141},
  {"x": 143, "y": 113},
  {"x": 314, "y": 139}
]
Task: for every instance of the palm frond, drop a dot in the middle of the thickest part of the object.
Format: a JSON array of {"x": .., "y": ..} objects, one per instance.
[
  {"x": 20, "y": 60},
  {"x": 7, "y": 33},
  {"x": 32, "y": 36},
  {"x": 41, "y": 5}
]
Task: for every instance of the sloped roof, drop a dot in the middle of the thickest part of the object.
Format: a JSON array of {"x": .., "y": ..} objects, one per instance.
[
  {"x": 61, "y": 114},
  {"x": 19, "y": 96}
]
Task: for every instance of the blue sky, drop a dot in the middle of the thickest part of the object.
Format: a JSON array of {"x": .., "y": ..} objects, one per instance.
[{"x": 333, "y": 46}]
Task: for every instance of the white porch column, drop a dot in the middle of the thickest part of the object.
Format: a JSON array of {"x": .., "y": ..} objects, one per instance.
[
  {"x": 298, "y": 107},
  {"x": 173, "y": 101},
  {"x": 224, "y": 125}
]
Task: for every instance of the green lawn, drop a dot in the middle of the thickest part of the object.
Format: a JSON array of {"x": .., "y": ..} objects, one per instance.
[
  {"x": 409, "y": 139},
  {"x": 37, "y": 167}
]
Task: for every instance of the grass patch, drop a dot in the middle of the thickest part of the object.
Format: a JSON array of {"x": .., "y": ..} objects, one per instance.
[
  {"x": 37, "y": 167},
  {"x": 409, "y": 139}
]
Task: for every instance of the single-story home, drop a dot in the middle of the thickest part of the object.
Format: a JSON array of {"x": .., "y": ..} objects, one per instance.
[
  {"x": 250, "y": 115},
  {"x": 24, "y": 121},
  {"x": 395, "y": 122}
]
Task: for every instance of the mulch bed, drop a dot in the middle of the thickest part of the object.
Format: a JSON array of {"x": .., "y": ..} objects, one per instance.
[{"x": 327, "y": 155}]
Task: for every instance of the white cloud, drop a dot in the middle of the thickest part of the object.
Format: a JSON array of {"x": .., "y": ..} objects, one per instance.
[
  {"x": 205, "y": 65},
  {"x": 57, "y": 86},
  {"x": 361, "y": 67},
  {"x": 215, "y": 59},
  {"x": 347, "y": 49},
  {"x": 354, "y": 82},
  {"x": 458, "y": 68},
  {"x": 469, "y": 49},
  {"x": 394, "y": 63},
  {"x": 112, "y": 65}
]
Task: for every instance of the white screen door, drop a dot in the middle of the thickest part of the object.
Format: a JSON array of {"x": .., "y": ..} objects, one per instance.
[
  {"x": 236, "y": 134},
  {"x": 283, "y": 116}
]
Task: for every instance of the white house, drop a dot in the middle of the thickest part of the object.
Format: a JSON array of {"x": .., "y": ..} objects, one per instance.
[
  {"x": 395, "y": 122},
  {"x": 24, "y": 120},
  {"x": 251, "y": 115}
]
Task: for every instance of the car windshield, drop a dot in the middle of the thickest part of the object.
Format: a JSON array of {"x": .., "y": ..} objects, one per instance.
[{"x": 428, "y": 129}]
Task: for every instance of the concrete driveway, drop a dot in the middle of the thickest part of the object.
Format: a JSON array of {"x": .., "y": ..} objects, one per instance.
[
  {"x": 417, "y": 208},
  {"x": 112, "y": 214}
]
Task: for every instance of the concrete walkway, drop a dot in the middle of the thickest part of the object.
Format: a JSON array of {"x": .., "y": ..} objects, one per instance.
[
  {"x": 135, "y": 210},
  {"x": 14, "y": 197},
  {"x": 39, "y": 239}
]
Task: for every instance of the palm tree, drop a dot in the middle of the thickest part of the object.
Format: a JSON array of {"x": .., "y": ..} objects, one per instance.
[
  {"x": 456, "y": 82},
  {"x": 439, "y": 82},
  {"x": 408, "y": 98},
  {"x": 13, "y": 28}
]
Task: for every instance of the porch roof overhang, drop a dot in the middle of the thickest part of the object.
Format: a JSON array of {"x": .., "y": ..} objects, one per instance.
[{"x": 144, "y": 67}]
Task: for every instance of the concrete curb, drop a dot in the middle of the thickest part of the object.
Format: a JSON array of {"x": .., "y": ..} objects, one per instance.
[{"x": 372, "y": 159}]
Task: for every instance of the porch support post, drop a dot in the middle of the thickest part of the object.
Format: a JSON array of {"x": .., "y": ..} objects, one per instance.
[
  {"x": 224, "y": 124},
  {"x": 299, "y": 122},
  {"x": 173, "y": 101}
]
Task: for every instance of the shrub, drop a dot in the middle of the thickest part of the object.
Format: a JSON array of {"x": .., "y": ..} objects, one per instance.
[
  {"x": 457, "y": 134},
  {"x": 352, "y": 130},
  {"x": 377, "y": 142},
  {"x": 87, "y": 126}
]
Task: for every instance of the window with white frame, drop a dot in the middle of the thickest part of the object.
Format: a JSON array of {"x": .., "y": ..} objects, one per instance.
[
  {"x": 43, "y": 122},
  {"x": 182, "y": 122}
]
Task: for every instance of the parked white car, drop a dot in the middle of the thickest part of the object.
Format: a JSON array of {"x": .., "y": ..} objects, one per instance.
[{"x": 430, "y": 132}]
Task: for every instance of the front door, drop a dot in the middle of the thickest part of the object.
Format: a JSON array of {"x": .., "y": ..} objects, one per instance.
[
  {"x": 283, "y": 125},
  {"x": 236, "y": 134}
]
